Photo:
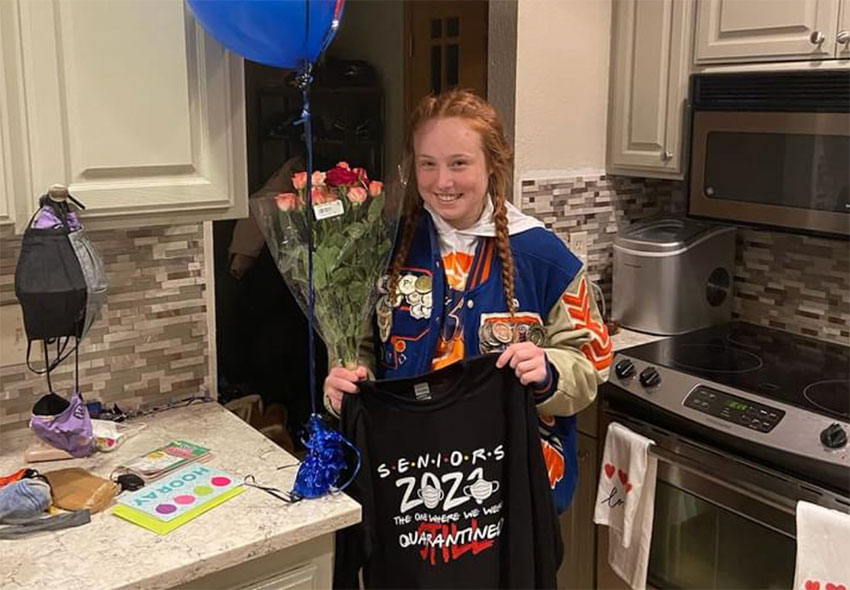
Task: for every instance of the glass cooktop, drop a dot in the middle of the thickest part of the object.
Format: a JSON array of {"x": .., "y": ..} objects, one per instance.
[{"x": 803, "y": 372}]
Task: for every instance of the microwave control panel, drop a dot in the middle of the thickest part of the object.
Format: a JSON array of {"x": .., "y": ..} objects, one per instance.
[{"x": 719, "y": 404}]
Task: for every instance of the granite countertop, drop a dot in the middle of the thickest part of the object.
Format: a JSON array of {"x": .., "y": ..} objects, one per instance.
[
  {"x": 112, "y": 553},
  {"x": 628, "y": 338}
]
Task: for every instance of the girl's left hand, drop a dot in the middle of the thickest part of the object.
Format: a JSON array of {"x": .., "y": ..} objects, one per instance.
[{"x": 527, "y": 360}]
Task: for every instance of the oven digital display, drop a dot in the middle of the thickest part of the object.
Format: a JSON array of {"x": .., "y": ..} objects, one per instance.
[{"x": 750, "y": 415}]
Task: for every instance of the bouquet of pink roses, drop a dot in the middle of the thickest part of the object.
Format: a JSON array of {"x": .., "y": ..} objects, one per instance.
[{"x": 353, "y": 229}]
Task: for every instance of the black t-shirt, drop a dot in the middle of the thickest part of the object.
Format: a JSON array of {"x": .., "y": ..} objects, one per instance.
[{"x": 453, "y": 484}]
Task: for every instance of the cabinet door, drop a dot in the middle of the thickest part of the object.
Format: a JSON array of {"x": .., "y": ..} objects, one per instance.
[
  {"x": 304, "y": 577},
  {"x": 10, "y": 157},
  {"x": 305, "y": 566},
  {"x": 133, "y": 107},
  {"x": 842, "y": 38},
  {"x": 649, "y": 81},
  {"x": 577, "y": 528},
  {"x": 7, "y": 189},
  {"x": 765, "y": 30}
]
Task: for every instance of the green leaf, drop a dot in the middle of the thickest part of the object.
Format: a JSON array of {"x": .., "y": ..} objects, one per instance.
[
  {"x": 320, "y": 273},
  {"x": 375, "y": 209},
  {"x": 356, "y": 230},
  {"x": 329, "y": 255},
  {"x": 342, "y": 276}
]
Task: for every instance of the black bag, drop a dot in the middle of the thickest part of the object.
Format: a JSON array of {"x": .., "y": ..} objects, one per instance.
[
  {"x": 60, "y": 281},
  {"x": 50, "y": 285}
]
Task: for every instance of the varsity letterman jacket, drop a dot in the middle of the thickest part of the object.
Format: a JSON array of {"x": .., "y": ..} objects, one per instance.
[{"x": 555, "y": 309}]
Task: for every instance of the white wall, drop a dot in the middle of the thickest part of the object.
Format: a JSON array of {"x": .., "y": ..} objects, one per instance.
[
  {"x": 373, "y": 30},
  {"x": 562, "y": 69}
]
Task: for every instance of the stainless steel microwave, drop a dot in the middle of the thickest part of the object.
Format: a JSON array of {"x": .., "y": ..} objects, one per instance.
[{"x": 772, "y": 149}]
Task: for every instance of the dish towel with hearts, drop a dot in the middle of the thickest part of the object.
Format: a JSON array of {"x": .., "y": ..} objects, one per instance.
[
  {"x": 625, "y": 500},
  {"x": 822, "y": 558}
]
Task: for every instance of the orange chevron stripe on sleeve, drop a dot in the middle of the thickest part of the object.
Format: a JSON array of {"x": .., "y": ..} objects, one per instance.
[{"x": 599, "y": 349}]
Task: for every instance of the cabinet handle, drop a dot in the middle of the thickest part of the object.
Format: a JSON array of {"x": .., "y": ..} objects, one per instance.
[
  {"x": 843, "y": 38},
  {"x": 667, "y": 155},
  {"x": 583, "y": 454},
  {"x": 817, "y": 37}
]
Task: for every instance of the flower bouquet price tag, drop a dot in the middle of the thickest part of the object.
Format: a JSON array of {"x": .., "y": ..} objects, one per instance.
[{"x": 328, "y": 210}]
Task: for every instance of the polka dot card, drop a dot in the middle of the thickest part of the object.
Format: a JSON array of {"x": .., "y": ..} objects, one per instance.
[{"x": 177, "y": 498}]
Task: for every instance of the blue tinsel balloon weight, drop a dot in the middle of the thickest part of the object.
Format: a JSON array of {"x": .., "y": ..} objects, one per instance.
[
  {"x": 325, "y": 461},
  {"x": 290, "y": 34}
]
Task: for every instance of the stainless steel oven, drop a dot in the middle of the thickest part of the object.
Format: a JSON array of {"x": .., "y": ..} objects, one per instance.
[
  {"x": 720, "y": 521},
  {"x": 772, "y": 149},
  {"x": 747, "y": 421}
]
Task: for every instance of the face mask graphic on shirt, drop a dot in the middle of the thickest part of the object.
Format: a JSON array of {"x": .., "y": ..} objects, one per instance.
[{"x": 449, "y": 503}]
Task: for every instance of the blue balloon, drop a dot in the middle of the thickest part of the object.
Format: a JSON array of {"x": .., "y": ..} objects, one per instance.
[{"x": 282, "y": 33}]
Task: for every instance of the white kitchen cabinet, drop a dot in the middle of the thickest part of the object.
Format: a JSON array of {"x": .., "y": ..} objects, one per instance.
[
  {"x": 7, "y": 189},
  {"x": 842, "y": 37},
  {"x": 128, "y": 103},
  {"x": 9, "y": 157},
  {"x": 650, "y": 64},
  {"x": 735, "y": 31},
  {"x": 307, "y": 566}
]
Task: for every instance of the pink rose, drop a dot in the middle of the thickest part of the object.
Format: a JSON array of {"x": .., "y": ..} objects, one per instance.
[
  {"x": 299, "y": 180},
  {"x": 361, "y": 176},
  {"x": 357, "y": 194},
  {"x": 340, "y": 177},
  {"x": 318, "y": 178},
  {"x": 376, "y": 188},
  {"x": 320, "y": 195},
  {"x": 343, "y": 165},
  {"x": 287, "y": 201}
]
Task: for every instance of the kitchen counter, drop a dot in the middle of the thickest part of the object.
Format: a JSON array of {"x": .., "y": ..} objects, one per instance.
[
  {"x": 252, "y": 537},
  {"x": 628, "y": 338}
]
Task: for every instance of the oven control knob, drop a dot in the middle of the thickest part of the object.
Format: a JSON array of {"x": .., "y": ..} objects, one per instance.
[
  {"x": 624, "y": 369},
  {"x": 649, "y": 377},
  {"x": 833, "y": 436}
]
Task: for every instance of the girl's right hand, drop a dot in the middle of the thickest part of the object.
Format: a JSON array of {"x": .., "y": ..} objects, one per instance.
[{"x": 340, "y": 380}]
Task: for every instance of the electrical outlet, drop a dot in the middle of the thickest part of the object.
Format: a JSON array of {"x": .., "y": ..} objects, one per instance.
[{"x": 578, "y": 244}]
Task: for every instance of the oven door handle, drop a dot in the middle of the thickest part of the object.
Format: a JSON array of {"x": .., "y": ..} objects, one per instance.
[
  {"x": 759, "y": 495},
  {"x": 751, "y": 497}
]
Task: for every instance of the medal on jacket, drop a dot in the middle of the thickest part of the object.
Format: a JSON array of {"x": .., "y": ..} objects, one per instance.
[
  {"x": 494, "y": 336},
  {"x": 522, "y": 333},
  {"x": 417, "y": 294},
  {"x": 502, "y": 332},
  {"x": 407, "y": 285},
  {"x": 423, "y": 285},
  {"x": 384, "y": 313},
  {"x": 536, "y": 335},
  {"x": 486, "y": 341},
  {"x": 496, "y": 331}
]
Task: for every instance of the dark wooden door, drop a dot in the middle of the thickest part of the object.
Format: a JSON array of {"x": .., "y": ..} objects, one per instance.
[{"x": 446, "y": 47}]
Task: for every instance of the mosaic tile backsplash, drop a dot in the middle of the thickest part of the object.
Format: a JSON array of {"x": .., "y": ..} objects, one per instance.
[
  {"x": 793, "y": 282},
  {"x": 150, "y": 344},
  {"x": 787, "y": 281}
]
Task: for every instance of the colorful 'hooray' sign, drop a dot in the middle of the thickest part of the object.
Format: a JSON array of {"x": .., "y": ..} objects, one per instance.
[{"x": 189, "y": 492}]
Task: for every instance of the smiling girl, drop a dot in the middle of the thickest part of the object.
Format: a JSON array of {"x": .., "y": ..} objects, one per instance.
[{"x": 473, "y": 275}]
